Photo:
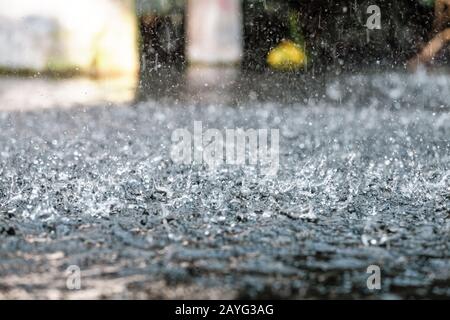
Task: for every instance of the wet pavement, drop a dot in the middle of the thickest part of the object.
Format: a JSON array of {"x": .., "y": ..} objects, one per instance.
[{"x": 364, "y": 179}]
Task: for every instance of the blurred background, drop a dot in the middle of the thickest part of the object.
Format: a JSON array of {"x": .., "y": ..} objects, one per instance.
[{"x": 119, "y": 50}]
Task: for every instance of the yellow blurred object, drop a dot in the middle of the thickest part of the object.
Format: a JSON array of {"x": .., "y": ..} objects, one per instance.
[{"x": 287, "y": 56}]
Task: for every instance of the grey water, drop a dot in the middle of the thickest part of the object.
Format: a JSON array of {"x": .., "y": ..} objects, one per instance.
[{"x": 364, "y": 179}]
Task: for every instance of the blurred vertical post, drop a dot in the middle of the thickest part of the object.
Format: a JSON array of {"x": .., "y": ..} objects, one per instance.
[{"x": 214, "y": 32}]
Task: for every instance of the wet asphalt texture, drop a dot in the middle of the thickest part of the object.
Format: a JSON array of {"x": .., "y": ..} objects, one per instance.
[{"x": 364, "y": 179}]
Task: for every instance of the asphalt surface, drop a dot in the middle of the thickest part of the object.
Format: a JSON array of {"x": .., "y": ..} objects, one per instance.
[{"x": 364, "y": 179}]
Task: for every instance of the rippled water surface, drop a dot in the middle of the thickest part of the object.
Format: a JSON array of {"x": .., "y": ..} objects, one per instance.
[{"x": 364, "y": 179}]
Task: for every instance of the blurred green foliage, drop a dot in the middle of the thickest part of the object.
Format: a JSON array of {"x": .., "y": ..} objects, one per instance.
[
  {"x": 428, "y": 3},
  {"x": 159, "y": 7}
]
